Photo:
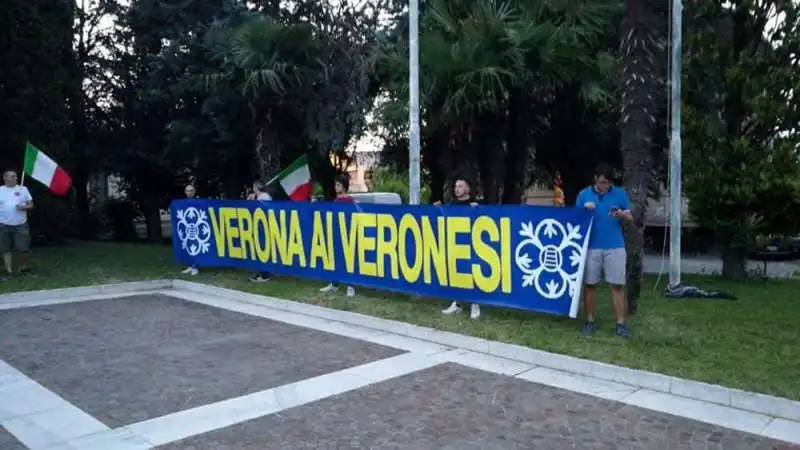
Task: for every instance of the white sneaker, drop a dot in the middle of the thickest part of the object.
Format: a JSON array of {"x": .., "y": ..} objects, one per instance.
[
  {"x": 351, "y": 291},
  {"x": 328, "y": 288},
  {"x": 193, "y": 271},
  {"x": 475, "y": 311},
  {"x": 186, "y": 271},
  {"x": 454, "y": 308}
]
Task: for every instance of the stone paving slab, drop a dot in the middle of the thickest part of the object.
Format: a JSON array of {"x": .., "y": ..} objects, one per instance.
[
  {"x": 451, "y": 407},
  {"x": 9, "y": 442},
  {"x": 135, "y": 358}
]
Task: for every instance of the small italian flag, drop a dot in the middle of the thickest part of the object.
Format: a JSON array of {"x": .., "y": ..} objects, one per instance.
[
  {"x": 295, "y": 180},
  {"x": 44, "y": 170}
]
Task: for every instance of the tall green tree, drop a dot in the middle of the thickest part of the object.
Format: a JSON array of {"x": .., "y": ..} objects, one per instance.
[
  {"x": 742, "y": 112},
  {"x": 642, "y": 65},
  {"x": 490, "y": 72},
  {"x": 35, "y": 82},
  {"x": 146, "y": 100},
  {"x": 307, "y": 75}
]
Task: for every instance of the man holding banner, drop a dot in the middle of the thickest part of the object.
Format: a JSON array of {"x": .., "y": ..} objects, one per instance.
[
  {"x": 606, "y": 256},
  {"x": 462, "y": 191},
  {"x": 260, "y": 194},
  {"x": 341, "y": 185}
]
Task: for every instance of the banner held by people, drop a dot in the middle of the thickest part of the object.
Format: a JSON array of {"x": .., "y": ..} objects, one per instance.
[
  {"x": 43, "y": 169},
  {"x": 521, "y": 257}
]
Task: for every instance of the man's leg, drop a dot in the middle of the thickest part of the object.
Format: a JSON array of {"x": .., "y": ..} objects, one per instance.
[
  {"x": 22, "y": 243},
  {"x": 614, "y": 266},
  {"x": 6, "y": 246},
  {"x": 594, "y": 268}
]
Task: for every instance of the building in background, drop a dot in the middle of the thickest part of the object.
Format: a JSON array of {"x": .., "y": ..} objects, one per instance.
[{"x": 365, "y": 156}]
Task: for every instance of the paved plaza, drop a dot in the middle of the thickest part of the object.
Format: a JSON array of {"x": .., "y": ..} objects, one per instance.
[{"x": 175, "y": 372}]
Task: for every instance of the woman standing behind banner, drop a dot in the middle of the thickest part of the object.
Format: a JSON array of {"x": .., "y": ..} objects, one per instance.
[
  {"x": 191, "y": 193},
  {"x": 260, "y": 194},
  {"x": 341, "y": 185}
]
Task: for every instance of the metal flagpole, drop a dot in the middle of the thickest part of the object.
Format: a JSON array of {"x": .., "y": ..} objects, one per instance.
[
  {"x": 675, "y": 197},
  {"x": 413, "y": 103}
]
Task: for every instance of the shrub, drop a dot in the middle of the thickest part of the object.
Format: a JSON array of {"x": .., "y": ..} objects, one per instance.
[{"x": 386, "y": 179}]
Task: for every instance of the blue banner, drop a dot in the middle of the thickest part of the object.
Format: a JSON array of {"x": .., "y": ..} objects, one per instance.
[{"x": 526, "y": 257}]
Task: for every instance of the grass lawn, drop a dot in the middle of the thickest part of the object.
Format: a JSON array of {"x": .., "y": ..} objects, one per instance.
[{"x": 752, "y": 343}]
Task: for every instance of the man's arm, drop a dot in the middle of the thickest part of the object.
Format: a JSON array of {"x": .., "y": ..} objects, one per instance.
[
  {"x": 28, "y": 205},
  {"x": 580, "y": 200},
  {"x": 625, "y": 207}
]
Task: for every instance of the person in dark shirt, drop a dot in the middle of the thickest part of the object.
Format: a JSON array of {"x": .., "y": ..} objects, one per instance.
[
  {"x": 462, "y": 193},
  {"x": 260, "y": 194},
  {"x": 191, "y": 193},
  {"x": 341, "y": 185}
]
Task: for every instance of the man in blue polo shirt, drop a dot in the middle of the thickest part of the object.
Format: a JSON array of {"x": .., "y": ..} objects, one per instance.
[{"x": 606, "y": 258}]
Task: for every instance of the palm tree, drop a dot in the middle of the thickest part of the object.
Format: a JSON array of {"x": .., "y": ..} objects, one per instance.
[
  {"x": 483, "y": 64},
  {"x": 641, "y": 82},
  {"x": 264, "y": 60}
]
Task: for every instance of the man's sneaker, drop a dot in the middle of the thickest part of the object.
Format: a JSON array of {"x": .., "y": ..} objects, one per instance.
[
  {"x": 589, "y": 328},
  {"x": 475, "y": 311},
  {"x": 24, "y": 271},
  {"x": 351, "y": 291},
  {"x": 454, "y": 308},
  {"x": 258, "y": 279},
  {"x": 187, "y": 270},
  {"x": 622, "y": 331},
  {"x": 329, "y": 288},
  {"x": 193, "y": 271}
]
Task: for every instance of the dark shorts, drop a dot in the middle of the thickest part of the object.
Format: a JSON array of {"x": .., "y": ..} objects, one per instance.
[{"x": 15, "y": 238}]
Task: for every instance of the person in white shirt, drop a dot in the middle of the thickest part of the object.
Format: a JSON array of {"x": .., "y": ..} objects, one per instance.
[{"x": 15, "y": 237}]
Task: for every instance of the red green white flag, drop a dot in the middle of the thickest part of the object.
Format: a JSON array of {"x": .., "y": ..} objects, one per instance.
[
  {"x": 44, "y": 170},
  {"x": 295, "y": 180}
]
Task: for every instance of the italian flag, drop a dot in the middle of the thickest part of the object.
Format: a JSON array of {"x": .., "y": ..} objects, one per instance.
[
  {"x": 295, "y": 180},
  {"x": 44, "y": 170}
]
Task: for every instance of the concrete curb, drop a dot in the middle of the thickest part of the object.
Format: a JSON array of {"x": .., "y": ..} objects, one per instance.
[
  {"x": 777, "y": 407},
  {"x": 83, "y": 291},
  {"x": 735, "y": 398}
]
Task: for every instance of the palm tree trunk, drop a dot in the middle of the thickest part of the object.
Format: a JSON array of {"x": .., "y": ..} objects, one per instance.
[
  {"x": 517, "y": 153},
  {"x": 642, "y": 37}
]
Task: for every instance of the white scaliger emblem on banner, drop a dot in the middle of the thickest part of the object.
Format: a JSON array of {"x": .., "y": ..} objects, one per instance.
[
  {"x": 194, "y": 232},
  {"x": 551, "y": 258}
]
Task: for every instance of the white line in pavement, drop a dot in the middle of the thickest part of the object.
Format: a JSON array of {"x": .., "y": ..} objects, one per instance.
[
  {"x": 386, "y": 339},
  {"x": 202, "y": 419},
  {"x": 38, "y": 417}
]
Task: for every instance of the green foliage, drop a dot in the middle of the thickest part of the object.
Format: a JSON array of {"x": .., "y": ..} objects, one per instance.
[
  {"x": 54, "y": 218},
  {"x": 388, "y": 179},
  {"x": 120, "y": 216},
  {"x": 741, "y": 119},
  {"x": 491, "y": 74}
]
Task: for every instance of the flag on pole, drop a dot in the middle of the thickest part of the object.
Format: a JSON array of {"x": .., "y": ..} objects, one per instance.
[
  {"x": 44, "y": 170},
  {"x": 295, "y": 180}
]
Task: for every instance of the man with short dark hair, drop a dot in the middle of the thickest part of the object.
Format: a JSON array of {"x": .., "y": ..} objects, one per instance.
[
  {"x": 606, "y": 257},
  {"x": 462, "y": 195},
  {"x": 341, "y": 184},
  {"x": 15, "y": 237}
]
